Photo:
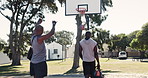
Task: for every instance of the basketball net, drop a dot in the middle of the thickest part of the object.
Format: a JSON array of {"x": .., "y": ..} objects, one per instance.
[{"x": 81, "y": 12}]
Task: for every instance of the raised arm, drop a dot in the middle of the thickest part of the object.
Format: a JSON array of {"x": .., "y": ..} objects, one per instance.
[{"x": 44, "y": 37}]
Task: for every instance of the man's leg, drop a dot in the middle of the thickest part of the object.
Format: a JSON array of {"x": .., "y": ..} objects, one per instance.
[
  {"x": 92, "y": 69},
  {"x": 32, "y": 71},
  {"x": 86, "y": 69},
  {"x": 40, "y": 70}
]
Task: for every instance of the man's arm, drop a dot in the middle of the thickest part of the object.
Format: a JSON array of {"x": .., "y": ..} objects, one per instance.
[
  {"x": 97, "y": 57},
  {"x": 80, "y": 51},
  {"x": 44, "y": 37}
]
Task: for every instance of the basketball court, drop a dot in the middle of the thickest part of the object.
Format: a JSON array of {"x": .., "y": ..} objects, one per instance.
[{"x": 114, "y": 75}]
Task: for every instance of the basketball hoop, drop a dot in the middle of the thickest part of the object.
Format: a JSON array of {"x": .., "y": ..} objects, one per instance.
[{"x": 81, "y": 11}]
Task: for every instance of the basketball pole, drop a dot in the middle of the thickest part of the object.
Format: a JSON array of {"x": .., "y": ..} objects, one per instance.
[{"x": 87, "y": 21}]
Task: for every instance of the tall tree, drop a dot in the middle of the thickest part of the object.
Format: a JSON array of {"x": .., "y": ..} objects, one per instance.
[
  {"x": 22, "y": 14},
  {"x": 141, "y": 40},
  {"x": 96, "y": 19},
  {"x": 78, "y": 38}
]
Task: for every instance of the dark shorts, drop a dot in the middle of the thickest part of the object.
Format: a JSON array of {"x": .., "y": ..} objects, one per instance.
[
  {"x": 89, "y": 68},
  {"x": 38, "y": 70}
]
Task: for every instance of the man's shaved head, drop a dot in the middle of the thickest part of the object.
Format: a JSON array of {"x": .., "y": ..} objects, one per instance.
[{"x": 39, "y": 30}]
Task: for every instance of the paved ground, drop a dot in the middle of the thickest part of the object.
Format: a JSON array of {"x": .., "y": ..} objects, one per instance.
[{"x": 81, "y": 76}]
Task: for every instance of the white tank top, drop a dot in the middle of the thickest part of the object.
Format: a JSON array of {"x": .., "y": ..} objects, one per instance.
[{"x": 88, "y": 49}]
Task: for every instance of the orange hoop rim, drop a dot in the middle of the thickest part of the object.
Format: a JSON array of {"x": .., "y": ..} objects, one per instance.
[{"x": 81, "y": 10}]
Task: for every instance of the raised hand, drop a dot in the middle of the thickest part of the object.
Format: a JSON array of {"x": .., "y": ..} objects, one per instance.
[{"x": 54, "y": 23}]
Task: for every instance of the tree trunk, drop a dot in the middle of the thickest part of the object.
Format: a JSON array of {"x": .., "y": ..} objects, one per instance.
[
  {"x": 16, "y": 58},
  {"x": 78, "y": 38},
  {"x": 15, "y": 49},
  {"x": 12, "y": 43},
  {"x": 65, "y": 52}
]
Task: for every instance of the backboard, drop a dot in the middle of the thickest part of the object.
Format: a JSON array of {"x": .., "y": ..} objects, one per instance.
[{"x": 91, "y": 6}]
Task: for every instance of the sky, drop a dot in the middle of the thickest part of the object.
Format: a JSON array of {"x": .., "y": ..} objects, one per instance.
[{"x": 125, "y": 16}]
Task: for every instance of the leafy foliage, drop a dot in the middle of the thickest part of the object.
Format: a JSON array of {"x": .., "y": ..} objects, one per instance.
[
  {"x": 141, "y": 40},
  {"x": 62, "y": 37},
  {"x": 100, "y": 36},
  {"x": 119, "y": 42},
  {"x": 22, "y": 15}
]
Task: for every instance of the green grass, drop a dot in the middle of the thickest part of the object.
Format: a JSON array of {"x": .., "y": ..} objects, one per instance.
[
  {"x": 64, "y": 67},
  {"x": 8, "y": 70},
  {"x": 125, "y": 66}
]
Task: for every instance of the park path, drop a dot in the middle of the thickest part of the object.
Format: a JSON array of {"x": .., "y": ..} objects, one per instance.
[{"x": 113, "y": 75}]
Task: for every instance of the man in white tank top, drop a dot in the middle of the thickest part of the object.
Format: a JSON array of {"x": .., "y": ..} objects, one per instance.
[{"x": 88, "y": 53}]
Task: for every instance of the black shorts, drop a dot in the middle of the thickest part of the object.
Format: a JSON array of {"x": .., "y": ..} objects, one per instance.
[
  {"x": 89, "y": 68},
  {"x": 38, "y": 70}
]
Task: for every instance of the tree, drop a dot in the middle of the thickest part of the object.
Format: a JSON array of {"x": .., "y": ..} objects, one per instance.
[
  {"x": 132, "y": 35},
  {"x": 64, "y": 38},
  {"x": 78, "y": 38},
  {"x": 135, "y": 44},
  {"x": 141, "y": 40},
  {"x": 96, "y": 19},
  {"x": 101, "y": 36},
  {"x": 142, "y": 36},
  {"x": 22, "y": 14},
  {"x": 119, "y": 42},
  {"x": 2, "y": 44}
]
